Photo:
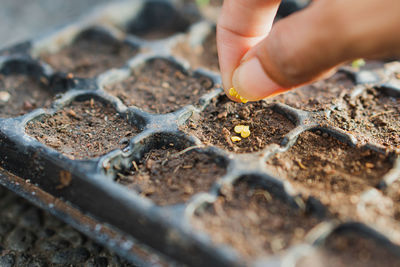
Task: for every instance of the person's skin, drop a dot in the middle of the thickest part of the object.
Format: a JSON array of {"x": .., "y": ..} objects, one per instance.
[{"x": 260, "y": 60}]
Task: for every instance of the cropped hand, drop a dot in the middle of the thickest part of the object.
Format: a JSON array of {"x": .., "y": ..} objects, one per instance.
[{"x": 260, "y": 60}]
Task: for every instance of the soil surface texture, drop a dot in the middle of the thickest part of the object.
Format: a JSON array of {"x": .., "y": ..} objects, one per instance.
[
  {"x": 254, "y": 222},
  {"x": 371, "y": 117},
  {"x": 31, "y": 237},
  {"x": 215, "y": 126},
  {"x": 83, "y": 130},
  {"x": 350, "y": 249},
  {"x": 169, "y": 177},
  {"x": 90, "y": 55},
  {"x": 20, "y": 94},
  {"x": 330, "y": 170},
  {"x": 204, "y": 55},
  {"x": 318, "y": 96},
  {"x": 159, "y": 86}
]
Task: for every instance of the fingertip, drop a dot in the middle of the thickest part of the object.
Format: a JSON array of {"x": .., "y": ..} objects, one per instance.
[{"x": 252, "y": 83}]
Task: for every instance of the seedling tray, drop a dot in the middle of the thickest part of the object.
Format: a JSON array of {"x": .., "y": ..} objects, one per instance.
[{"x": 121, "y": 128}]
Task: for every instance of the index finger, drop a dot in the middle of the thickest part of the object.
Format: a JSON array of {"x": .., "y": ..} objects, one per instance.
[{"x": 242, "y": 24}]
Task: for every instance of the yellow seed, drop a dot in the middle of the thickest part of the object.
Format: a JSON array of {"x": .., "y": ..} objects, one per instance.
[
  {"x": 246, "y": 132},
  {"x": 232, "y": 92},
  {"x": 244, "y": 101},
  {"x": 239, "y": 128},
  {"x": 235, "y": 138}
]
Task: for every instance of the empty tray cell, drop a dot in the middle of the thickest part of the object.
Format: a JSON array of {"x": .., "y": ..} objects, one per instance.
[
  {"x": 168, "y": 176},
  {"x": 20, "y": 94},
  {"x": 318, "y": 96},
  {"x": 330, "y": 170},
  {"x": 351, "y": 249},
  {"x": 90, "y": 54},
  {"x": 254, "y": 222},
  {"x": 203, "y": 55},
  {"x": 217, "y": 123},
  {"x": 83, "y": 129},
  {"x": 372, "y": 117},
  {"x": 160, "y": 86},
  {"x": 159, "y": 20}
]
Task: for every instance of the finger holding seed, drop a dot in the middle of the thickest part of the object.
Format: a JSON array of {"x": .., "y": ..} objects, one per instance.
[{"x": 235, "y": 94}]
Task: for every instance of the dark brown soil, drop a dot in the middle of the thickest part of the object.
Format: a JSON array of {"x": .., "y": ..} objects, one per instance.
[
  {"x": 318, "y": 96},
  {"x": 350, "y": 250},
  {"x": 254, "y": 222},
  {"x": 372, "y": 117},
  {"x": 168, "y": 177},
  {"x": 83, "y": 130},
  {"x": 159, "y": 86},
  {"x": 332, "y": 171},
  {"x": 159, "y": 20},
  {"x": 25, "y": 94},
  {"x": 90, "y": 55},
  {"x": 216, "y": 125},
  {"x": 204, "y": 55}
]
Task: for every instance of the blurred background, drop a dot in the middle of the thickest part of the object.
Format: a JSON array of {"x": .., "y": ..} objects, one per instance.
[{"x": 24, "y": 19}]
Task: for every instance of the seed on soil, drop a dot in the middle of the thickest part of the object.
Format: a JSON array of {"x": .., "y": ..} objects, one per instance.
[
  {"x": 243, "y": 130},
  {"x": 20, "y": 94},
  {"x": 144, "y": 89},
  {"x": 330, "y": 170},
  {"x": 90, "y": 54},
  {"x": 254, "y": 222},
  {"x": 79, "y": 130},
  {"x": 168, "y": 176},
  {"x": 236, "y": 139},
  {"x": 216, "y": 123}
]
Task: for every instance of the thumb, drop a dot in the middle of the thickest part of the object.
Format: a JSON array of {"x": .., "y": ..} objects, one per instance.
[{"x": 307, "y": 45}]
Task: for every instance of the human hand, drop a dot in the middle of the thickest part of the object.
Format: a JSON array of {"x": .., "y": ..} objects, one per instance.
[{"x": 261, "y": 60}]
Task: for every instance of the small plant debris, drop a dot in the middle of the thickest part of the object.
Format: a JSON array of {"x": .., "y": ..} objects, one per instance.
[
  {"x": 160, "y": 86},
  {"x": 254, "y": 222},
  {"x": 91, "y": 54},
  {"x": 168, "y": 176},
  {"x": 83, "y": 130},
  {"x": 217, "y": 122},
  {"x": 331, "y": 171},
  {"x": 20, "y": 94}
]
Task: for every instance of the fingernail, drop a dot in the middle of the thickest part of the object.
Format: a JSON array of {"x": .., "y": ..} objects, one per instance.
[{"x": 251, "y": 81}]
